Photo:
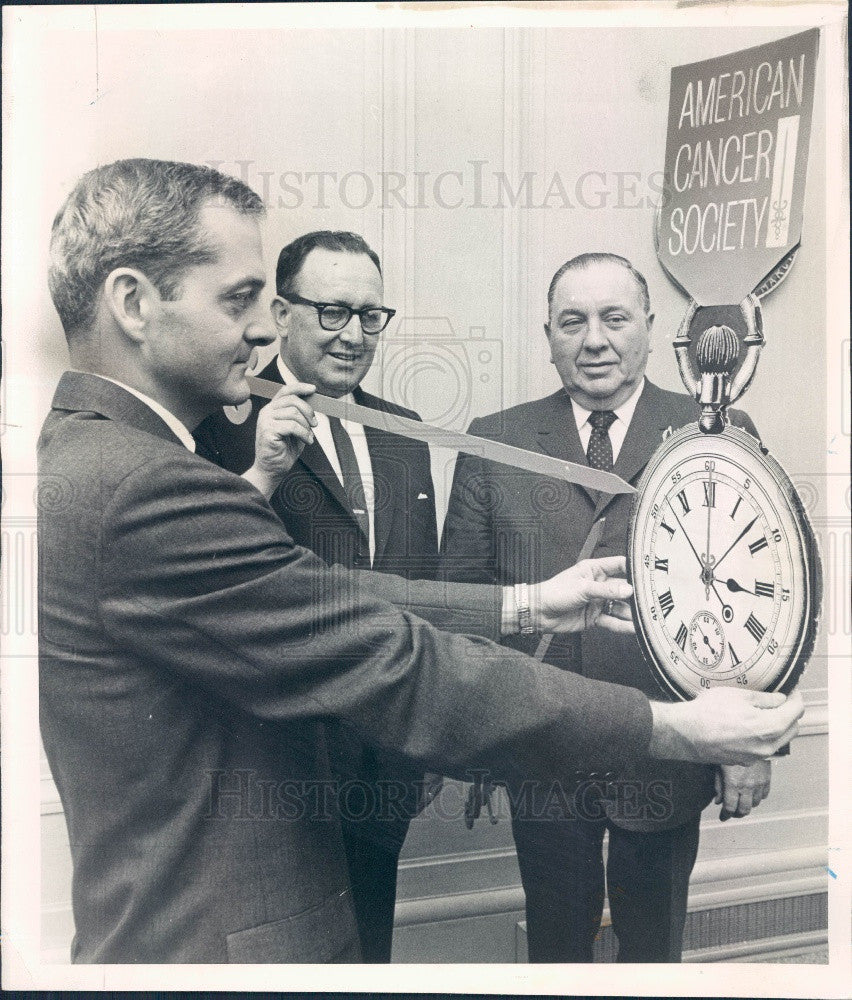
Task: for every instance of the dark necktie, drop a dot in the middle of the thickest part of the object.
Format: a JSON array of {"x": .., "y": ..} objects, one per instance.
[
  {"x": 352, "y": 484},
  {"x": 599, "y": 452}
]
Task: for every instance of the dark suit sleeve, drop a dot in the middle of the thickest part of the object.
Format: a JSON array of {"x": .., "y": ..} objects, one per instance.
[
  {"x": 197, "y": 577},
  {"x": 454, "y": 606}
]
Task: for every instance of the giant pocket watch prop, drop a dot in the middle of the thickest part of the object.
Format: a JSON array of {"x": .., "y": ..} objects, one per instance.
[{"x": 723, "y": 559}]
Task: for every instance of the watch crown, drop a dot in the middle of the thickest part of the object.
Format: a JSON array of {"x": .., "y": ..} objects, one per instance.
[
  {"x": 716, "y": 354},
  {"x": 717, "y": 350}
]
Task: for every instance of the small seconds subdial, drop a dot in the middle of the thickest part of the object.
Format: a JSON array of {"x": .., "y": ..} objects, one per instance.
[
  {"x": 706, "y": 639},
  {"x": 723, "y": 565}
]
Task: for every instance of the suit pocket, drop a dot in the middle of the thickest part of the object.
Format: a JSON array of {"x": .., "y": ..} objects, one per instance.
[{"x": 323, "y": 933}]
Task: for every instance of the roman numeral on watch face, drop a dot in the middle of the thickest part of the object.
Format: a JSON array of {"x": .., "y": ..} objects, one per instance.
[
  {"x": 719, "y": 565},
  {"x": 755, "y": 628},
  {"x": 755, "y": 547}
]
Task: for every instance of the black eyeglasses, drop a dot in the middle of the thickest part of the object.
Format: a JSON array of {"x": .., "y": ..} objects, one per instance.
[{"x": 334, "y": 316}]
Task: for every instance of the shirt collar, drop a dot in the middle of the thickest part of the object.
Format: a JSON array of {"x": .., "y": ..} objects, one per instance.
[
  {"x": 169, "y": 419},
  {"x": 289, "y": 378},
  {"x": 623, "y": 412}
]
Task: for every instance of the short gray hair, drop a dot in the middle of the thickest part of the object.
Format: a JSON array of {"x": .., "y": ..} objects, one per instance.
[
  {"x": 134, "y": 213},
  {"x": 585, "y": 259},
  {"x": 292, "y": 257}
]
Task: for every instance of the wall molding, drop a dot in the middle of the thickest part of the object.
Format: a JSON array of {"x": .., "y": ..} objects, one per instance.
[
  {"x": 524, "y": 143},
  {"x": 398, "y": 151},
  {"x": 751, "y": 878},
  {"x": 761, "y": 949}
]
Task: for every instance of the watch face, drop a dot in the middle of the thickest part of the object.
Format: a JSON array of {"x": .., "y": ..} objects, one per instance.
[{"x": 724, "y": 566}]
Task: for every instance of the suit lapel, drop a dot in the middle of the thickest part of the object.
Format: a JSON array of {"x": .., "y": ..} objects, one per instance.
[
  {"x": 387, "y": 499},
  {"x": 313, "y": 459},
  {"x": 557, "y": 435},
  {"x": 644, "y": 435}
]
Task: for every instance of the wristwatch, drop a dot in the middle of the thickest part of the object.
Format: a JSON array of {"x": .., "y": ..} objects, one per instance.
[{"x": 522, "y": 603}]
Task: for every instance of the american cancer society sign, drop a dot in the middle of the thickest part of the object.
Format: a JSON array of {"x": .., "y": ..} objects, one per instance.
[{"x": 736, "y": 158}]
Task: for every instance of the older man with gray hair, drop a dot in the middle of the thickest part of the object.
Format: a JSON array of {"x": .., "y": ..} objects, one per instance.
[{"x": 504, "y": 525}]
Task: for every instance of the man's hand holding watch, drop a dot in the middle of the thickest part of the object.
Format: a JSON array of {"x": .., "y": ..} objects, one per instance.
[{"x": 592, "y": 592}]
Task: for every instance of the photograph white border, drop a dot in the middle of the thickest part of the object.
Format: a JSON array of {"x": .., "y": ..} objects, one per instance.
[{"x": 22, "y": 966}]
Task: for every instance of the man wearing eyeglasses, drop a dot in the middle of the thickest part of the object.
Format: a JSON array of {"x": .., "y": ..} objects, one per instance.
[{"x": 359, "y": 497}]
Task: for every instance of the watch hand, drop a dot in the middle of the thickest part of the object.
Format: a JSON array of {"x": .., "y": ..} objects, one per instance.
[
  {"x": 707, "y": 643},
  {"x": 727, "y": 610},
  {"x": 697, "y": 556},
  {"x": 745, "y": 531},
  {"x": 735, "y": 587},
  {"x": 707, "y": 553}
]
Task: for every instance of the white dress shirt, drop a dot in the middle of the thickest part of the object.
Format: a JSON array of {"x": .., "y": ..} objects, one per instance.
[
  {"x": 618, "y": 428},
  {"x": 178, "y": 429},
  {"x": 356, "y": 432}
]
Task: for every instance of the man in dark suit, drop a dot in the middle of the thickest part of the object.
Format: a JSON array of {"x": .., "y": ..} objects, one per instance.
[
  {"x": 379, "y": 513},
  {"x": 188, "y": 649},
  {"x": 505, "y": 525}
]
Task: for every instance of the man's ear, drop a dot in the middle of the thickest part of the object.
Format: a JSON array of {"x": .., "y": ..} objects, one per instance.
[
  {"x": 547, "y": 334},
  {"x": 130, "y": 298},
  {"x": 281, "y": 312},
  {"x": 650, "y": 331}
]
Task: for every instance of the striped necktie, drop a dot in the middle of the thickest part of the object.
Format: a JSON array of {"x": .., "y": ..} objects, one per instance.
[{"x": 352, "y": 483}]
